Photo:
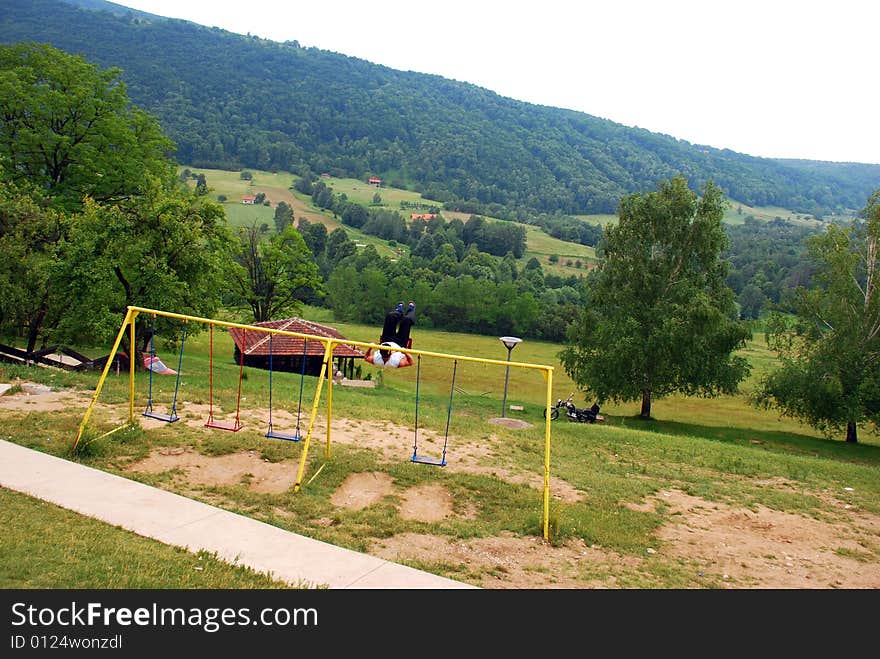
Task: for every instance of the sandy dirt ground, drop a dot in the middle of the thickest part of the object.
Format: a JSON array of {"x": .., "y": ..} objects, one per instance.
[{"x": 749, "y": 548}]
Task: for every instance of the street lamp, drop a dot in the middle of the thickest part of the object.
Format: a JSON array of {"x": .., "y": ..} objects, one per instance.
[{"x": 510, "y": 343}]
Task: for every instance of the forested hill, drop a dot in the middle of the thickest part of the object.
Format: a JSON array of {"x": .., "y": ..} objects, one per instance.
[{"x": 233, "y": 101}]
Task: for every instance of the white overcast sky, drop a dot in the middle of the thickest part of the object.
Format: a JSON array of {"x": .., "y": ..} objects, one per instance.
[{"x": 772, "y": 78}]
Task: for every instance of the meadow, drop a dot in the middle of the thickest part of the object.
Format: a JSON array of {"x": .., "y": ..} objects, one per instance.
[{"x": 621, "y": 490}]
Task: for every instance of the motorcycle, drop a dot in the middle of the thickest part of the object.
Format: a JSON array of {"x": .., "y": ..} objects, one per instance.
[{"x": 573, "y": 413}]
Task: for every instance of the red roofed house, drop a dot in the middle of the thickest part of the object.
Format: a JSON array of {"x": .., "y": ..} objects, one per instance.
[
  {"x": 287, "y": 351},
  {"x": 248, "y": 200},
  {"x": 374, "y": 180}
]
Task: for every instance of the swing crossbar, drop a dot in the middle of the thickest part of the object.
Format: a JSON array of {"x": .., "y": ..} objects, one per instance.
[
  {"x": 280, "y": 435},
  {"x": 169, "y": 418},
  {"x": 437, "y": 462}
]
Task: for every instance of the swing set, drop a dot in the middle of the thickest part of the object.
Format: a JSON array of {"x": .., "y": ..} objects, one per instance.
[{"x": 328, "y": 343}]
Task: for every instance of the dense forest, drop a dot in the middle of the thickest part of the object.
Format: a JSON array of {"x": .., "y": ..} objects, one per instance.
[
  {"x": 767, "y": 261},
  {"x": 232, "y": 101}
]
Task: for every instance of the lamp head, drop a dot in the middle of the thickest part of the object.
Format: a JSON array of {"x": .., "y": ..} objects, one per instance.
[{"x": 510, "y": 341}]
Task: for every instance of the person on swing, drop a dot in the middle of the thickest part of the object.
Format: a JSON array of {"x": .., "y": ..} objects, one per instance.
[{"x": 395, "y": 334}]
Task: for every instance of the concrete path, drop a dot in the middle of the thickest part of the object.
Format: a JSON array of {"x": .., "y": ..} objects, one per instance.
[{"x": 176, "y": 520}]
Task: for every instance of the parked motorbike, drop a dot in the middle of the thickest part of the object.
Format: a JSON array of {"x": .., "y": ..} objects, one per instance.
[{"x": 574, "y": 413}]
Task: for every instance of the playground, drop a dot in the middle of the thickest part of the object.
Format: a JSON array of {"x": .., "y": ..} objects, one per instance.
[{"x": 617, "y": 508}]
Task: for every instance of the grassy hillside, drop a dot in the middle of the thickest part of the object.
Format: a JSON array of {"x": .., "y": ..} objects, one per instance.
[{"x": 276, "y": 187}]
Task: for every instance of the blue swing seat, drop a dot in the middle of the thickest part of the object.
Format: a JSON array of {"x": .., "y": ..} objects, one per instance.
[
  {"x": 280, "y": 435},
  {"x": 437, "y": 462},
  {"x": 169, "y": 418}
]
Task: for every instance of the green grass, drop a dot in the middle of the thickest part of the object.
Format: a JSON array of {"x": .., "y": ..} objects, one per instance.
[{"x": 80, "y": 552}]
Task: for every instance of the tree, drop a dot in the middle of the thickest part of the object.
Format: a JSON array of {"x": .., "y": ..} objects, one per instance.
[
  {"x": 29, "y": 235},
  {"x": 338, "y": 247},
  {"x": 315, "y": 236},
  {"x": 658, "y": 317},
  {"x": 166, "y": 249},
  {"x": 283, "y": 216},
  {"x": 272, "y": 275},
  {"x": 70, "y": 129},
  {"x": 830, "y": 355},
  {"x": 69, "y": 138}
]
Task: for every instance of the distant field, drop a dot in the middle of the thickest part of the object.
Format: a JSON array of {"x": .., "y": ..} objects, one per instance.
[
  {"x": 276, "y": 187},
  {"x": 736, "y": 213}
]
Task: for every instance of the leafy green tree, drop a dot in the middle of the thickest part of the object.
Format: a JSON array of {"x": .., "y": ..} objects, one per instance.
[
  {"x": 444, "y": 261},
  {"x": 29, "y": 235},
  {"x": 426, "y": 248},
  {"x": 315, "y": 235},
  {"x": 339, "y": 247},
  {"x": 273, "y": 275},
  {"x": 752, "y": 301},
  {"x": 359, "y": 296},
  {"x": 70, "y": 129},
  {"x": 830, "y": 355},
  {"x": 69, "y": 138},
  {"x": 283, "y": 216},
  {"x": 354, "y": 215},
  {"x": 659, "y": 318},
  {"x": 165, "y": 249}
]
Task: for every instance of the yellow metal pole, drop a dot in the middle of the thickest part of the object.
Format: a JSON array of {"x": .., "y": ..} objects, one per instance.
[
  {"x": 82, "y": 426},
  {"x": 329, "y": 400},
  {"x": 547, "y": 453},
  {"x": 302, "y": 461},
  {"x": 131, "y": 352}
]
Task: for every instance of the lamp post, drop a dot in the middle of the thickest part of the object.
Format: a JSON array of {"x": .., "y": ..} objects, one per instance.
[{"x": 510, "y": 343}]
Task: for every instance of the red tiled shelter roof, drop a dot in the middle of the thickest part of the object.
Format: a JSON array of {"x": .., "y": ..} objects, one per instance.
[{"x": 257, "y": 343}]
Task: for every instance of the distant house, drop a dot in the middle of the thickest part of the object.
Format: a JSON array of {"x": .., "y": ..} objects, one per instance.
[
  {"x": 248, "y": 200},
  {"x": 325, "y": 175},
  {"x": 422, "y": 216},
  {"x": 287, "y": 352},
  {"x": 374, "y": 180}
]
